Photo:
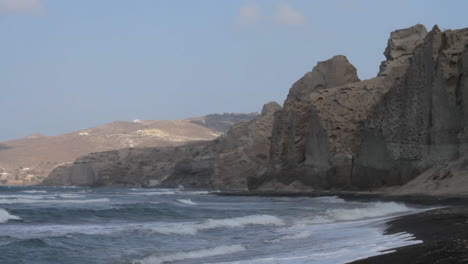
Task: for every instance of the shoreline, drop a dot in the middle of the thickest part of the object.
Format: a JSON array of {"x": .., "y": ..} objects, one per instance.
[
  {"x": 419, "y": 199},
  {"x": 444, "y": 231}
]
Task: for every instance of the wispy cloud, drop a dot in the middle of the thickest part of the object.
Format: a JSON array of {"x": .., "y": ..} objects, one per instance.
[
  {"x": 249, "y": 14},
  {"x": 21, "y": 6},
  {"x": 289, "y": 16}
]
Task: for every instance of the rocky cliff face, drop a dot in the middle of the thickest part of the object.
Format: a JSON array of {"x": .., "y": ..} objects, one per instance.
[
  {"x": 222, "y": 163},
  {"x": 125, "y": 167},
  {"x": 421, "y": 122},
  {"x": 229, "y": 160},
  {"x": 350, "y": 134}
]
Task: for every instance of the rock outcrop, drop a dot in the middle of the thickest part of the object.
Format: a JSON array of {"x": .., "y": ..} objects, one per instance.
[
  {"x": 229, "y": 160},
  {"x": 381, "y": 132},
  {"x": 225, "y": 162},
  {"x": 136, "y": 167},
  {"x": 421, "y": 123}
]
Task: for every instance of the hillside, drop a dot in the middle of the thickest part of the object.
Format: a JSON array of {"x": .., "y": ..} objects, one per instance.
[{"x": 28, "y": 160}]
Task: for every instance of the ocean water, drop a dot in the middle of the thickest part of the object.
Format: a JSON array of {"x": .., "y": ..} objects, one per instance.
[{"x": 155, "y": 226}]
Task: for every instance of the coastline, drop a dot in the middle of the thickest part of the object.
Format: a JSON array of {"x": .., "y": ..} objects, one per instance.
[
  {"x": 419, "y": 199},
  {"x": 444, "y": 231}
]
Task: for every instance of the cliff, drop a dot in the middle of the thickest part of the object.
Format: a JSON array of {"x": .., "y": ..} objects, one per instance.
[
  {"x": 124, "y": 167},
  {"x": 229, "y": 160},
  {"x": 386, "y": 131},
  {"x": 225, "y": 162},
  {"x": 419, "y": 129}
]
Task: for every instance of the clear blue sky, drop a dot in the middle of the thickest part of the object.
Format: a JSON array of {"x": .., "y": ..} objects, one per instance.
[{"x": 68, "y": 65}]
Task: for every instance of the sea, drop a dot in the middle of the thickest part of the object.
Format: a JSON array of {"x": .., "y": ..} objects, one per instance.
[{"x": 44, "y": 225}]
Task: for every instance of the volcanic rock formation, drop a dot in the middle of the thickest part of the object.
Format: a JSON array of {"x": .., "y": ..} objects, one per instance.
[{"x": 349, "y": 134}]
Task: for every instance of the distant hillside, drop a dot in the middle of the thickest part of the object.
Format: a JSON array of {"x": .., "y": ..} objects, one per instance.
[
  {"x": 221, "y": 123},
  {"x": 28, "y": 160}
]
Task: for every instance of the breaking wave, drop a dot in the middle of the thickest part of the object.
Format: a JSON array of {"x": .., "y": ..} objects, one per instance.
[
  {"x": 374, "y": 210},
  {"x": 154, "y": 193},
  {"x": 187, "y": 201},
  {"x": 70, "y": 195},
  {"x": 184, "y": 228},
  {"x": 169, "y": 192},
  {"x": 34, "y": 191},
  {"x": 5, "y": 216},
  {"x": 196, "y": 192},
  {"x": 329, "y": 199},
  {"x": 39, "y": 200},
  {"x": 193, "y": 254},
  {"x": 194, "y": 228}
]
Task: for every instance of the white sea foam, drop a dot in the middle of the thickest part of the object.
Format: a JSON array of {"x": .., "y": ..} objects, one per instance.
[
  {"x": 196, "y": 192},
  {"x": 50, "y": 201},
  {"x": 194, "y": 254},
  {"x": 35, "y": 191},
  {"x": 27, "y": 196},
  {"x": 375, "y": 210},
  {"x": 5, "y": 216},
  {"x": 340, "y": 243},
  {"x": 167, "y": 192},
  {"x": 70, "y": 195},
  {"x": 186, "y": 201},
  {"x": 184, "y": 228},
  {"x": 329, "y": 199},
  {"x": 153, "y": 193},
  {"x": 190, "y": 228}
]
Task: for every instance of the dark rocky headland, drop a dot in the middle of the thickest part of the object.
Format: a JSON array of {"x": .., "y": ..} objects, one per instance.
[{"x": 403, "y": 133}]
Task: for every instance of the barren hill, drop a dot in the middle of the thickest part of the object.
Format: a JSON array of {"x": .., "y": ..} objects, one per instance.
[{"x": 28, "y": 160}]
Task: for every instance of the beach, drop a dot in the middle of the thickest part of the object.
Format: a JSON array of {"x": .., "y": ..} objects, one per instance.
[{"x": 444, "y": 233}]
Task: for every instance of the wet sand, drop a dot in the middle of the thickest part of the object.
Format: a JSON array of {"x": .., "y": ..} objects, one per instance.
[{"x": 444, "y": 233}]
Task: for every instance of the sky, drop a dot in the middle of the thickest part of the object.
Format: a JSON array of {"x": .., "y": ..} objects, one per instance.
[{"x": 68, "y": 65}]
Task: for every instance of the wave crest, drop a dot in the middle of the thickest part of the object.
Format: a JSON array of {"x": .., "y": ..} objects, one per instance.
[
  {"x": 187, "y": 201},
  {"x": 194, "y": 254},
  {"x": 5, "y": 216},
  {"x": 38, "y": 200},
  {"x": 34, "y": 191},
  {"x": 194, "y": 228},
  {"x": 375, "y": 210}
]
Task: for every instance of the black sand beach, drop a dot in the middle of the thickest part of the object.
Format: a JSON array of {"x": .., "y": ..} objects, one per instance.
[{"x": 443, "y": 231}]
